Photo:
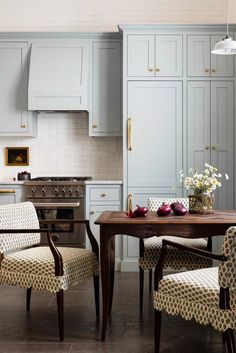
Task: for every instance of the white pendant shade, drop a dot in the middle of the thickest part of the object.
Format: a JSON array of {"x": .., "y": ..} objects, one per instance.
[{"x": 226, "y": 46}]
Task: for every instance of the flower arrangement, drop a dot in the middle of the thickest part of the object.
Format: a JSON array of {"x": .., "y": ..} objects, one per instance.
[{"x": 205, "y": 182}]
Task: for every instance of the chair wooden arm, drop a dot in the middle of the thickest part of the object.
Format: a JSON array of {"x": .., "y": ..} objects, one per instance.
[
  {"x": 158, "y": 274},
  {"x": 55, "y": 252},
  {"x": 91, "y": 237}
]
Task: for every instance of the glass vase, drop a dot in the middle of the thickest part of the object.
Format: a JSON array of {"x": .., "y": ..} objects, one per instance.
[{"x": 201, "y": 203}]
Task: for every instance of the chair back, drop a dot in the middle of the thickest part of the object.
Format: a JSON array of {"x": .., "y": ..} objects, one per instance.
[
  {"x": 155, "y": 202},
  {"x": 18, "y": 216},
  {"x": 227, "y": 269}
]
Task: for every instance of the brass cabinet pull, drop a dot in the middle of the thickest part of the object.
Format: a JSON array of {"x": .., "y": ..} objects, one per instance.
[
  {"x": 92, "y": 212},
  {"x": 129, "y": 134},
  {"x": 103, "y": 195},
  {"x": 213, "y": 70},
  {"x": 94, "y": 126},
  {"x": 207, "y": 147},
  {"x": 207, "y": 70},
  {"x": 7, "y": 191},
  {"x": 214, "y": 147},
  {"x": 157, "y": 69},
  {"x": 150, "y": 69},
  {"x": 23, "y": 126},
  {"x": 130, "y": 205}
]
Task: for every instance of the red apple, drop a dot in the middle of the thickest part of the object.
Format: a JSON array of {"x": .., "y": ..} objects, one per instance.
[{"x": 164, "y": 210}]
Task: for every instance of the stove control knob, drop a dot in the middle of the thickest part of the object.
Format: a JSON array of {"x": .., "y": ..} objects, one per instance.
[
  {"x": 33, "y": 190},
  {"x": 43, "y": 191},
  {"x": 63, "y": 190},
  {"x": 70, "y": 191},
  {"x": 77, "y": 191},
  {"x": 56, "y": 191}
]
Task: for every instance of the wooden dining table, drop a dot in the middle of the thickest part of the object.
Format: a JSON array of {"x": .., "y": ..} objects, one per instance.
[{"x": 115, "y": 222}]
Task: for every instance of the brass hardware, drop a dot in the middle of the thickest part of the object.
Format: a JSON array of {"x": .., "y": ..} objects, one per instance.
[
  {"x": 7, "y": 191},
  {"x": 157, "y": 69},
  {"x": 94, "y": 126},
  {"x": 130, "y": 205},
  {"x": 103, "y": 195},
  {"x": 207, "y": 147},
  {"x": 150, "y": 69},
  {"x": 214, "y": 147},
  {"x": 207, "y": 70},
  {"x": 23, "y": 126},
  {"x": 129, "y": 134},
  {"x": 92, "y": 212},
  {"x": 213, "y": 70}
]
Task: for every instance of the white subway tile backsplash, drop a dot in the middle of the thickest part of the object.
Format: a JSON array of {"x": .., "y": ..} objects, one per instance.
[{"x": 63, "y": 147}]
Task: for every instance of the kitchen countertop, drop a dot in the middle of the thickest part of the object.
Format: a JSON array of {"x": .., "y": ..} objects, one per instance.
[
  {"x": 11, "y": 182},
  {"x": 103, "y": 182}
]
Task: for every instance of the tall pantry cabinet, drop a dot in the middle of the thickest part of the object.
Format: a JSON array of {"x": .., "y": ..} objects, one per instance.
[{"x": 178, "y": 113}]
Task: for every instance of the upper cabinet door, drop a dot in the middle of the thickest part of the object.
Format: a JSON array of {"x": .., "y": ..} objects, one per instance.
[
  {"x": 222, "y": 139},
  {"x": 154, "y": 134},
  {"x": 221, "y": 65},
  {"x": 15, "y": 120},
  {"x": 105, "y": 117},
  {"x": 199, "y": 55},
  {"x": 58, "y": 75},
  {"x": 199, "y": 124},
  {"x": 141, "y": 55},
  {"x": 169, "y": 55}
]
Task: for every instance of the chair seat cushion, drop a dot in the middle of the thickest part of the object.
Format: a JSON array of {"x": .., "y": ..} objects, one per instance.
[
  {"x": 175, "y": 258},
  {"x": 195, "y": 294},
  {"x": 35, "y": 268}
]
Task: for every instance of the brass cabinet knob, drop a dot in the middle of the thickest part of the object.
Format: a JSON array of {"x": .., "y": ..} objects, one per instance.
[
  {"x": 214, "y": 147},
  {"x": 157, "y": 69},
  {"x": 92, "y": 212},
  {"x": 207, "y": 70},
  {"x": 103, "y": 195},
  {"x": 94, "y": 126},
  {"x": 23, "y": 126},
  {"x": 207, "y": 147},
  {"x": 213, "y": 70},
  {"x": 150, "y": 69}
]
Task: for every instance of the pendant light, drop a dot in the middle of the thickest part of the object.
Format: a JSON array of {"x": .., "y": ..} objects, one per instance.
[{"x": 227, "y": 46}]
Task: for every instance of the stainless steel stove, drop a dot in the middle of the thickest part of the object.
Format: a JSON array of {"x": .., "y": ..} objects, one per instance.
[{"x": 60, "y": 198}]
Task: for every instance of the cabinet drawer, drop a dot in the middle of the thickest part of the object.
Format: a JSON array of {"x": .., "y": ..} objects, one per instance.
[{"x": 105, "y": 194}]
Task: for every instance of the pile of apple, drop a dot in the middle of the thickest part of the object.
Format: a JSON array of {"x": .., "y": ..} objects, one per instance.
[{"x": 177, "y": 208}]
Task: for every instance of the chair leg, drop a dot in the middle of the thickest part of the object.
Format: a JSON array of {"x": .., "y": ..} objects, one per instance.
[
  {"x": 157, "y": 330},
  {"x": 96, "y": 293},
  {"x": 60, "y": 311},
  {"x": 28, "y": 298},
  {"x": 141, "y": 283},
  {"x": 229, "y": 334},
  {"x": 150, "y": 280}
]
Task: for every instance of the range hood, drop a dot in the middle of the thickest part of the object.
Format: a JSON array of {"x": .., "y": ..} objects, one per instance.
[{"x": 58, "y": 75}]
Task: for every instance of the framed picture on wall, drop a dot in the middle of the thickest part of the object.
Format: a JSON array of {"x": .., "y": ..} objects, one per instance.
[{"x": 15, "y": 156}]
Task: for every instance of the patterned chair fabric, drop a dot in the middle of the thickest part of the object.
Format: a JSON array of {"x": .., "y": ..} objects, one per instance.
[
  {"x": 16, "y": 216},
  {"x": 35, "y": 267},
  {"x": 195, "y": 294},
  {"x": 175, "y": 260}
]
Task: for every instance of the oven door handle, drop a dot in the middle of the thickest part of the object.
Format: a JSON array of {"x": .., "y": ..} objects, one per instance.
[{"x": 55, "y": 205}]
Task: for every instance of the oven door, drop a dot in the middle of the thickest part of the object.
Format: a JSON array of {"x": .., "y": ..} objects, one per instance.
[{"x": 69, "y": 234}]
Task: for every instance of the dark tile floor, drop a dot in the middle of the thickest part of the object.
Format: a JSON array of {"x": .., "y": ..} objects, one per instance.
[{"x": 127, "y": 332}]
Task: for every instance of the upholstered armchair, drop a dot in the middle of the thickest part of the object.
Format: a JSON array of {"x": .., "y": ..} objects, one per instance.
[
  {"x": 25, "y": 263},
  {"x": 206, "y": 295},
  {"x": 150, "y": 249}
]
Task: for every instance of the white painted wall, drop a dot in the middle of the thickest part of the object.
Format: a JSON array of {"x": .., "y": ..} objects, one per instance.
[
  {"x": 64, "y": 148},
  {"x": 104, "y": 15}
]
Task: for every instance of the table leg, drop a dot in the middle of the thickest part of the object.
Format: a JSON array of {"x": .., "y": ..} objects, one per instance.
[
  {"x": 105, "y": 276},
  {"x": 112, "y": 271}
]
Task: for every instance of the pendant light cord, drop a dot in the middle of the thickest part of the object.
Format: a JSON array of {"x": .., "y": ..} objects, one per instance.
[{"x": 227, "y": 20}]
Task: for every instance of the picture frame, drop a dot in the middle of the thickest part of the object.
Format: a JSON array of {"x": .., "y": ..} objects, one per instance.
[{"x": 17, "y": 156}]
